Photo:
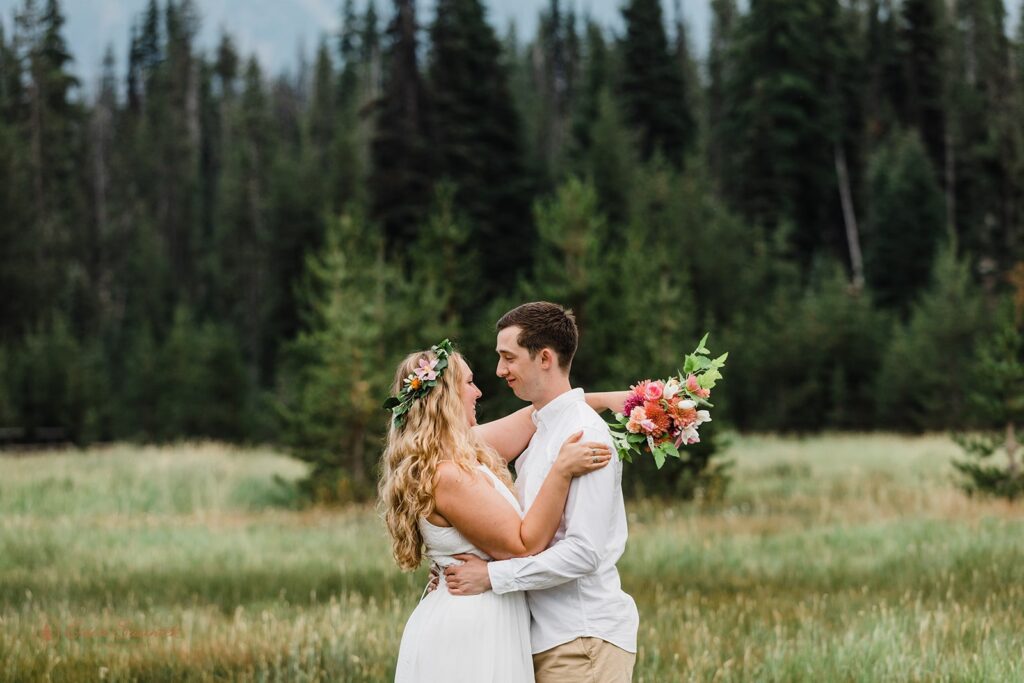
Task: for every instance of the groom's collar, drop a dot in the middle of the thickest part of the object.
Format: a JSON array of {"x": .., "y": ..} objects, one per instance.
[{"x": 552, "y": 410}]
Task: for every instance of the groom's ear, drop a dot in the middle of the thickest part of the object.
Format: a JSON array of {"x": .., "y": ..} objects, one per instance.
[{"x": 547, "y": 358}]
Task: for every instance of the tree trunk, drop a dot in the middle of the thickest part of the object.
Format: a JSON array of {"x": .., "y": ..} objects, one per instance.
[
  {"x": 849, "y": 217},
  {"x": 950, "y": 188},
  {"x": 1011, "y": 451}
]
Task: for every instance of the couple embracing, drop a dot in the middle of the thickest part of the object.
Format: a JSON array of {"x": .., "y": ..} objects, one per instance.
[{"x": 527, "y": 585}]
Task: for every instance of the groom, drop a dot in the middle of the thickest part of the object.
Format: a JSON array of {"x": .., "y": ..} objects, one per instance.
[{"x": 584, "y": 626}]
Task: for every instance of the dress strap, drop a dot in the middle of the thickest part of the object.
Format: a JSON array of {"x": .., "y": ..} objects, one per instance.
[{"x": 426, "y": 589}]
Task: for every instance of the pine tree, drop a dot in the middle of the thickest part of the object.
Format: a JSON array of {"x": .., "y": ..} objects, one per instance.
[
  {"x": 611, "y": 159},
  {"x": 920, "y": 379},
  {"x": 19, "y": 278},
  {"x": 338, "y": 369},
  {"x": 400, "y": 182},
  {"x": 553, "y": 57},
  {"x": 693, "y": 91},
  {"x": 245, "y": 233},
  {"x": 348, "y": 52},
  {"x": 782, "y": 120},
  {"x": 595, "y": 78},
  {"x": 53, "y": 127},
  {"x": 477, "y": 138},
  {"x": 996, "y": 387},
  {"x": 905, "y": 217},
  {"x": 984, "y": 126},
  {"x": 570, "y": 266},
  {"x": 323, "y": 112},
  {"x": 178, "y": 142},
  {"x": 652, "y": 88},
  {"x": 443, "y": 271},
  {"x": 724, "y": 16},
  {"x": 886, "y": 81},
  {"x": 923, "y": 45}
]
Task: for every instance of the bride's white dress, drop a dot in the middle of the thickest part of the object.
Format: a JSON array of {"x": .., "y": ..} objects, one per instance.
[{"x": 472, "y": 638}]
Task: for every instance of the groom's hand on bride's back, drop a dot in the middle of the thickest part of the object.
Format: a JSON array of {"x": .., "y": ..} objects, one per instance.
[{"x": 468, "y": 578}]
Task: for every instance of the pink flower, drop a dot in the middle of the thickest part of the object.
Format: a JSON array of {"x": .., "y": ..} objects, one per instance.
[
  {"x": 640, "y": 388},
  {"x": 703, "y": 393},
  {"x": 692, "y": 385},
  {"x": 636, "y": 417},
  {"x": 648, "y": 426},
  {"x": 426, "y": 370},
  {"x": 654, "y": 391},
  {"x": 632, "y": 401}
]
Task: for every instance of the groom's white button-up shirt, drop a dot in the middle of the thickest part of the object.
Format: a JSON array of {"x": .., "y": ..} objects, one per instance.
[{"x": 573, "y": 586}]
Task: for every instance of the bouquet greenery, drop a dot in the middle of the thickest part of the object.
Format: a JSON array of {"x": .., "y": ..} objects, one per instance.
[{"x": 660, "y": 416}]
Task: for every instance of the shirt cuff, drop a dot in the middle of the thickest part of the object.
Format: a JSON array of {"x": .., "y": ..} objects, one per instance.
[{"x": 500, "y": 574}]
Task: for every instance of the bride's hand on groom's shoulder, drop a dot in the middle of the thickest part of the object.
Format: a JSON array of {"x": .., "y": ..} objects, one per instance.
[{"x": 576, "y": 459}]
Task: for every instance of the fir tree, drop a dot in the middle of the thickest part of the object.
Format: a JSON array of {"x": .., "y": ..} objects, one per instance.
[
  {"x": 984, "y": 127},
  {"x": 723, "y": 22},
  {"x": 401, "y": 180},
  {"x": 996, "y": 388},
  {"x": 652, "y": 87},
  {"x": 920, "y": 380},
  {"x": 923, "y": 50},
  {"x": 338, "y": 369},
  {"x": 905, "y": 217},
  {"x": 782, "y": 120},
  {"x": 477, "y": 138},
  {"x": 348, "y": 52},
  {"x": 595, "y": 79}
]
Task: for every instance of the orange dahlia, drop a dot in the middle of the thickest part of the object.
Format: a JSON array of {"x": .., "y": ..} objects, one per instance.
[
  {"x": 683, "y": 417},
  {"x": 657, "y": 414}
]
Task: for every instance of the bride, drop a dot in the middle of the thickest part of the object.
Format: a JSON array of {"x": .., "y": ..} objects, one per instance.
[{"x": 434, "y": 444}]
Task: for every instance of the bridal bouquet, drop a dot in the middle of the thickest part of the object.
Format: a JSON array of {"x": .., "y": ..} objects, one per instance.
[{"x": 661, "y": 415}]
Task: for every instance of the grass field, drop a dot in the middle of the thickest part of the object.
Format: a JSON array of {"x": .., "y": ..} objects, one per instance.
[{"x": 839, "y": 558}]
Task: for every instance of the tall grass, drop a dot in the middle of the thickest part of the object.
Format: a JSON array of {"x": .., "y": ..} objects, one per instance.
[{"x": 839, "y": 558}]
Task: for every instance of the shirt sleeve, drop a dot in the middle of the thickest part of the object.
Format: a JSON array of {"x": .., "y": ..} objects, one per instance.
[{"x": 589, "y": 512}]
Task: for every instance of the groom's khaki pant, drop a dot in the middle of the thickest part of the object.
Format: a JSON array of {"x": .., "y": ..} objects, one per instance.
[{"x": 584, "y": 660}]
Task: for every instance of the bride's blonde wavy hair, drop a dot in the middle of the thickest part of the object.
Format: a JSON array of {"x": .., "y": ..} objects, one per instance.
[{"x": 435, "y": 429}]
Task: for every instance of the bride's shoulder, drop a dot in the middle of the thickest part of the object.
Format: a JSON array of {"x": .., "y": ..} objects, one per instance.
[{"x": 451, "y": 474}]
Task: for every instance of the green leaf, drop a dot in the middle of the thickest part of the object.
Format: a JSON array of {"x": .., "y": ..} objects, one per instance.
[
  {"x": 391, "y": 402},
  {"x": 670, "y": 449},
  {"x": 708, "y": 379},
  {"x": 659, "y": 456},
  {"x": 701, "y": 349},
  {"x": 701, "y": 363},
  {"x": 688, "y": 366}
]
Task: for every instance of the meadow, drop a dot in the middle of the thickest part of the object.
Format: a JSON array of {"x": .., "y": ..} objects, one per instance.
[{"x": 833, "y": 558}]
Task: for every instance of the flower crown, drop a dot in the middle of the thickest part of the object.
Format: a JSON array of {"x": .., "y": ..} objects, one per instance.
[{"x": 419, "y": 382}]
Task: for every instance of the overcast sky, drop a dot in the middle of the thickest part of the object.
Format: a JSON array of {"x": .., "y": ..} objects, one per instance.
[{"x": 274, "y": 29}]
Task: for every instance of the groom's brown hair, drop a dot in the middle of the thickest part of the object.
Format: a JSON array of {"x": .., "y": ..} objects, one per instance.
[{"x": 543, "y": 324}]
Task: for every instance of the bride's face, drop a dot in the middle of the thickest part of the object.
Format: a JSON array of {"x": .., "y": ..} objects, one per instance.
[{"x": 469, "y": 392}]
